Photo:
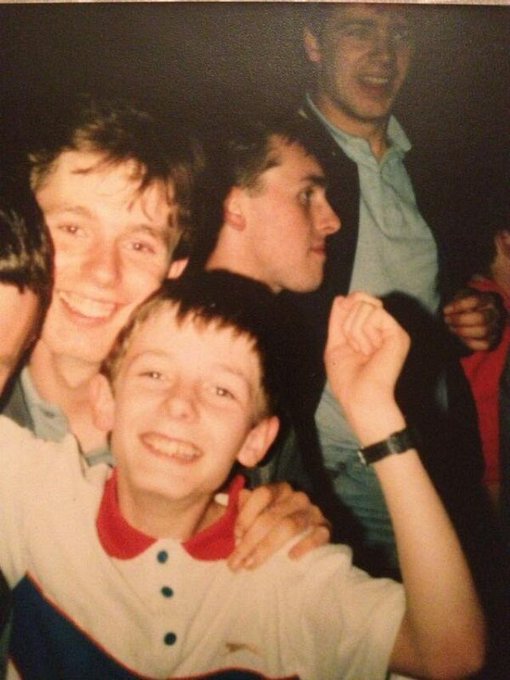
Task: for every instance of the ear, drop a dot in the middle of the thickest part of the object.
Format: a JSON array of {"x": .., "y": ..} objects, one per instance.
[
  {"x": 312, "y": 47},
  {"x": 502, "y": 240},
  {"x": 176, "y": 268},
  {"x": 103, "y": 403},
  {"x": 258, "y": 441},
  {"x": 233, "y": 209}
]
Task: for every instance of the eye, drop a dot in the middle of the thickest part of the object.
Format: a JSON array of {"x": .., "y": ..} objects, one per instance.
[
  {"x": 71, "y": 229},
  {"x": 217, "y": 393},
  {"x": 155, "y": 376},
  {"x": 401, "y": 35},
  {"x": 305, "y": 196},
  {"x": 223, "y": 392},
  {"x": 358, "y": 32},
  {"x": 142, "y": 247}
]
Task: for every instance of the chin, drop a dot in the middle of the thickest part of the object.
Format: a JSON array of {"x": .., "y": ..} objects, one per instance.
[
  {"x": 311, "y": 284},
  {"x": 86, "y": 353}
]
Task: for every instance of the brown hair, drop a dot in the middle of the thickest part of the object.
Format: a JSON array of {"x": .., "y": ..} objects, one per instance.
[
  {"x": 224, "y": 300},
  {"x": 120, "y": 131}
]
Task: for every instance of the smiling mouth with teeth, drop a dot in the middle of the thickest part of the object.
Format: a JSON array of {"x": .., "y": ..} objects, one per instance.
[
  {"x": 167, "y": 447},
  {"x": 376, "y": 81},
  {"x": 87, "y": 307}
]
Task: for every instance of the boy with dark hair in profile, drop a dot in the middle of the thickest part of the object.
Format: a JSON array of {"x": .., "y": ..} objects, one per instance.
[{"x": 189, "y": 390}]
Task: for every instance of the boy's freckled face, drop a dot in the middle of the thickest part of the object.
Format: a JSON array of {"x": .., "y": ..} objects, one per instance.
[
  {"x": 18, "y": 314},
  {"x": 112, "y": 249},
  {"x": 186, "y": 398}
]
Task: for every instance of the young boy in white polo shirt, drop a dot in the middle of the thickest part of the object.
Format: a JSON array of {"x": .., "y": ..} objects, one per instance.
[{"x": 123, "y": 574}]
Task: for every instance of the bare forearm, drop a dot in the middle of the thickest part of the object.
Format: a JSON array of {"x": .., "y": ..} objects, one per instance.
[
  {"x": 442, "y": 635},
  {"x": 443, "y": 612}
]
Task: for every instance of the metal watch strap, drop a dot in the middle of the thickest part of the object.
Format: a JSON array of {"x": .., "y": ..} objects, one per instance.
[{"x": 398, "y": 442}]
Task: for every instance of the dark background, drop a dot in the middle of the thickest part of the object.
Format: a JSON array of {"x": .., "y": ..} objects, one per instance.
[{"x": 208, "y": 60}]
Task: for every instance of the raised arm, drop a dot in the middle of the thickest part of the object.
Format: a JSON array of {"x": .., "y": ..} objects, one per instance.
[{"x": 442, "y": 633}]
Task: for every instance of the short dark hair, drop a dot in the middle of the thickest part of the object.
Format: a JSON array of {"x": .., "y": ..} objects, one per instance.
[
  {"x": 494, "y": 211},
  {"x": 120, "y": 131},
  {"x": 26, "y": 252},
  {"x": 225, "y": 300},
  {"x": 316, "y": 14},
  {"x": 237, "y": 157}
]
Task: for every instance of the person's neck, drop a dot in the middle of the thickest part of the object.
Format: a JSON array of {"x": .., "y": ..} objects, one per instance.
[
  {"x": 373, "y": 131},
  {"x": 65, "y": 382},
  {"x": 162, "y": 518}
]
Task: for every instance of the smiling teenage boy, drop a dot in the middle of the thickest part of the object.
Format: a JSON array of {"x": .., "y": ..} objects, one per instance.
[
  {"x": 112, "y": 188},
  {"x": 191, "y": 389}
]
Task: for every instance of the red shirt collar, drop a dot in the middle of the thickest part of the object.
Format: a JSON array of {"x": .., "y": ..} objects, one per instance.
[{"x": 119, "y": 539}]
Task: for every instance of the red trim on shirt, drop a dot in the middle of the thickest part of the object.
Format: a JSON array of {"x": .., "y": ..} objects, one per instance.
[
  {"x": 119, "y": 539},
  {"x": 483, "y": 370}
]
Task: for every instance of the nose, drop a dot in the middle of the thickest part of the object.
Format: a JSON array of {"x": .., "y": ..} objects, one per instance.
[
  {"x": 180, "y": 403},
  {"x": 102, "y": 264},
  {"x": 327, "y": 221},
  {"x": 383, "y": 45}
]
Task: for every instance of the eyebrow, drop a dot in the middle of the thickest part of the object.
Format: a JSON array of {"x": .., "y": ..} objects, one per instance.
[
  {"x": 82, "y": 211},
  {"x": 350, "y": 21},
  {"x": 236, "y": 373},
  {"x": 317, "y": 180}
]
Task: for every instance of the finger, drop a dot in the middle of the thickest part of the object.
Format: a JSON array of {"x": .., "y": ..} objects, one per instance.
[
  {"x": 269, "y": 534},
  {"x": 474, "y": 331},
  {"x": 462, "y": 305},
  {"x": 293, "y": 511},
  {"x": 360, "y": 296},
  {"x": 466, "y": 301},
  {"x": 481, "y": 317},
  {"x": 361, "y": 327},
  {"x": 252, "y": 504},
  {"x": 341, "y": 308},
  {"x": 261, "y": 541},
  {"x": 313, "y": 539}
]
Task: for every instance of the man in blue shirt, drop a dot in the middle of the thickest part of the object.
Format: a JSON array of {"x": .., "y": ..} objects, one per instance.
[{"x": 390, "y": 244}]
